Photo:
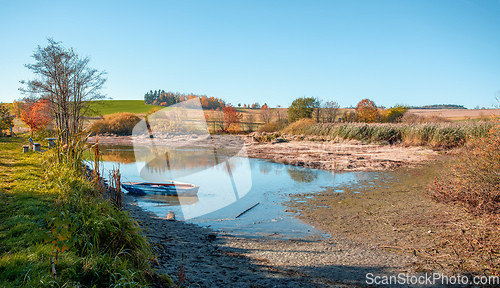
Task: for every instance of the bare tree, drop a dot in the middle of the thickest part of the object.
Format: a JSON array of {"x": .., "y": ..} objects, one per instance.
[
  {"x": 67, "y": 82},
  {"x": 331, "y": 110},
  {"x": 280, "y": 113},
  {"x": 250, "y": 122},
  {"x": 266, "y": 114}
]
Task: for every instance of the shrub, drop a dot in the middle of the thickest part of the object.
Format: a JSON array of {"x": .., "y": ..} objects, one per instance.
[
  {"x": 274, "y": 126},
  {"x": 395, "y": 114},
  {"x": 300, "y": 127},
  {"x": 475, "y": 181},
  {"x": 118, "y": 123},
  {"x": 234, "y": 128}
]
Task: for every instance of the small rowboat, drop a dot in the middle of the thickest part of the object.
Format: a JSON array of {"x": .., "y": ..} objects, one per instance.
[{"x": 173, "y": 188}]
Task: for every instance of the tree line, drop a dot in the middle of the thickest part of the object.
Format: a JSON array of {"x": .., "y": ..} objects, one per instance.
[{"x": 162, "y": 98}]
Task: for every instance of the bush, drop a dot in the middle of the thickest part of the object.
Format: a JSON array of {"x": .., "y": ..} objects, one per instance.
[
  {"x": 300, "y": 127},
  {"x": 272, "y": 126},
  {"x": 118, "y": 123},
  {"x": 395, "y": 114},
  {"x": 475, "y": 181},
  {"x": 474, "y": 184}
]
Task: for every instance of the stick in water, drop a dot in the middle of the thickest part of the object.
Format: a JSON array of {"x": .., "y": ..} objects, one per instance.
[{"x": 246, "y": 210}]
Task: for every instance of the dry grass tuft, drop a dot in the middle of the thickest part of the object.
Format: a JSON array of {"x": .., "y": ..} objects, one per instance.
[{"x": 118, "y": 123}]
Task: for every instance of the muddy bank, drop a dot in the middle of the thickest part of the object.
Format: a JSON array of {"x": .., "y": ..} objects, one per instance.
[
  {"x": 389, "y": 211},
  {"x": 325, "y": 155},
  {"x": 212, "y": 259}
]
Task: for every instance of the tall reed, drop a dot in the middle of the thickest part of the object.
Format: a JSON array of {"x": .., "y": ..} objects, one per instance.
[{"x": 437, "y": 135}]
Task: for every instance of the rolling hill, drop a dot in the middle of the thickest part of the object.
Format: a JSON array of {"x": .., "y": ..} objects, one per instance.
[{"x": 105, "y": 107}]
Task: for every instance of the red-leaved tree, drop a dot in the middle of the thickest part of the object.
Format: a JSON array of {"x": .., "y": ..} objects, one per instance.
[
  {"x": 367, "y": 111},
  {"x": 35, "y": 114},
  {"x": 231, "y": 116}
]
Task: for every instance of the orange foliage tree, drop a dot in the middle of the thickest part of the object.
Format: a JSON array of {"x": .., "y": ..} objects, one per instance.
[
  {"x": 367, "y": 111},
  {"x": 232, "y": 117},
  {"x": 35, "y": 114}
]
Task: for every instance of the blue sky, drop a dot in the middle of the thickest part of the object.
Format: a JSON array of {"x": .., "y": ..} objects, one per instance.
[{"x": 413, "y": 52}]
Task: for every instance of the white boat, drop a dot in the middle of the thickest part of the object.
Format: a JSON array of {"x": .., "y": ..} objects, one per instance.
[{"x": 172, "y": 188}]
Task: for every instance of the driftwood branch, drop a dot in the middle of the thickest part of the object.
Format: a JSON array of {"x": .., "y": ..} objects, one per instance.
[{"x": 246, "y": 210}]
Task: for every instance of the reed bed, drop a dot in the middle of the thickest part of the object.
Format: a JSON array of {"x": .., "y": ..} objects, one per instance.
[{"x": 437, "y": 135}]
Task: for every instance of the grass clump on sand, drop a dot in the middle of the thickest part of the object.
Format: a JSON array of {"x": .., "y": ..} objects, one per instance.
[
  {"x": 474, "y": 184},
  {"x": 51, "y": 213},
  {"x": 118, "y": 123}
]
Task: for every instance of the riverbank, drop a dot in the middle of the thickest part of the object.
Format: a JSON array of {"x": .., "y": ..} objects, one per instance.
[{"x": 324, "y": 155}]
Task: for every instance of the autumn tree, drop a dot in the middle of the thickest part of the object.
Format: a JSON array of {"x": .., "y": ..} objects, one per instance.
[
  {"x": 367, "y": 111},
  {"x": 395, "y": 114},
  {"x": 67, "y": 83},
  {"x": 6, "y": 120},
  {"x": 16, "y": 108},
  {"x": 231, "y": 116},
  {"x": 36, "y": 114},
  {"x": 302, "y": 108},
  {"x": 266, "y": 114}
]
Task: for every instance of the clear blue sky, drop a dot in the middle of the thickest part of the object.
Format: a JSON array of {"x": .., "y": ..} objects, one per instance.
[{"x": 411, "y": 52}]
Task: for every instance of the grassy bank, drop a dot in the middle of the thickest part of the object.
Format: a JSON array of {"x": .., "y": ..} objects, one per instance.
[
  {"x": 51, "y": 213},
  {"x": 437, "y": 135}
]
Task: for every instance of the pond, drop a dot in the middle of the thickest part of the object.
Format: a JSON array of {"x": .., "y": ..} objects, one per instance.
[{"x": 229, "y": 186}]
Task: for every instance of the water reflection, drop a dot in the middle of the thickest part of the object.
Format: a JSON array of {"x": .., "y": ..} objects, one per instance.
[
  {"x": 302, "y": 175},
  {"x": 219, "y": 199},
  {"x": 118, "y": 154},
  {"x": 165, "y": 201}
]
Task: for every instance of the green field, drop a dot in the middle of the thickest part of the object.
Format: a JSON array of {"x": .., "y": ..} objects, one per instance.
[{"x": 105, "y": 107}]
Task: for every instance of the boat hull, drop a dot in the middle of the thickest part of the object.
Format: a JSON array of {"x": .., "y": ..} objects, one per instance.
[{"x": 167, "y": 189}]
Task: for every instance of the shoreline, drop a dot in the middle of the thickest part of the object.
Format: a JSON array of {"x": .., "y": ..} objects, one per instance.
[
  {"x": 325, "y": 155},
  {"x": 339, "y": 261}
]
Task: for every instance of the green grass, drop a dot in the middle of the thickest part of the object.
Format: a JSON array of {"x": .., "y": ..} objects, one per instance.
[
  {"x": 106, "y": 107},
  {"x": 48, "y": 207}
]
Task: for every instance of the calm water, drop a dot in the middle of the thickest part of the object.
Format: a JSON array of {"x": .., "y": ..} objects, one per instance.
[{"x": 228, "y": 186}]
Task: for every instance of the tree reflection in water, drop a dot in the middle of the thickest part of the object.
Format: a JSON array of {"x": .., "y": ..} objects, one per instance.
[{"x": 302, "y": 175}]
